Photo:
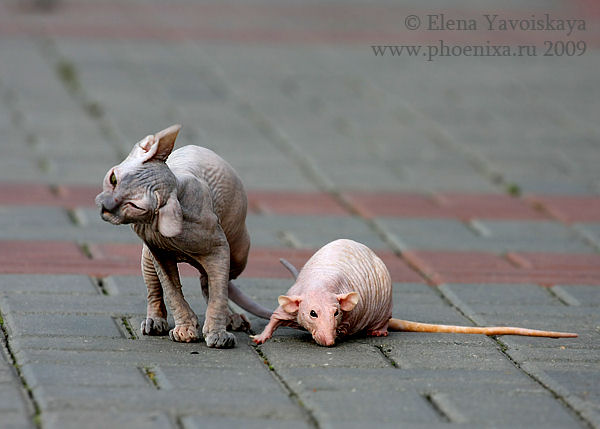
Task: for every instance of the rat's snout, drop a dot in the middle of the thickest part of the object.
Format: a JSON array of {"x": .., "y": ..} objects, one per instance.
[{"x": 324, "y": 338}]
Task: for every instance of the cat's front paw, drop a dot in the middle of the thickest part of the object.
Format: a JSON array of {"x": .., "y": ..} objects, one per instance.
[
  {"x": 238, "y": 322},
  {"x": 220, "y": 339},
  {"x": 154, "y": 326},
  {"x": 185, "y": 333}
]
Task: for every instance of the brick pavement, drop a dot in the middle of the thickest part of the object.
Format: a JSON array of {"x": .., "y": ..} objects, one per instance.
[{"x": 475, "y": 180}]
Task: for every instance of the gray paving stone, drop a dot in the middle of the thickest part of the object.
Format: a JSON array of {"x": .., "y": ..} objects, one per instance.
[
  {"x": 62, "y": 305},
  {"x": 47, "y": 284},
  {"x": 75, "y": 419},
  {"x": 12, "y": 397},
  {"x": 142, "y": 352},
  {"x": 61, "y": 324},
  {"x": 254, "y": 381},
  {"x": 496, "y": 406},
  {"x": 309, "y": 231},
  {"x": 15, "y": 420},
  {"x": 336, "y": 410},
  {"x": 499, "y": 236},
  {"x": 430, "y": 233},
  {"x": 584, "y": 295},
  {"x": 207, "y": 421},
  {"x": 449, "y": 356},
  {"x": 274, "y": 404},
  {"x": 504, "y": 294},
  {"x": 308, "y": 354},
  {"x": 44, "y": 374},
  {"x": 590, "y": 231},
  {"x": 534, "y": 236}
]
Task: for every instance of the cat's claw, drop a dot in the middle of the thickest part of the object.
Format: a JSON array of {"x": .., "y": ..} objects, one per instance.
[
  {"x": 184, "y": 334},
  {"x": 154, "y": 326},
  {"x": 220, "y": 339},
  {"x": 238, "y": 322}
]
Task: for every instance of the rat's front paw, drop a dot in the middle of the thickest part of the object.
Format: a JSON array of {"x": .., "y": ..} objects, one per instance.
[
  {"x": 220, "y": 339},
  {"x": 185, "y": 333},
  {"x": 260, "y": 339},
  {"x": 238, "y": 322},
  {"x": 154, "y": 326}
]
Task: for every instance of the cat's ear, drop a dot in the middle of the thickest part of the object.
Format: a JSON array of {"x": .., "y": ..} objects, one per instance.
[
  {"x": 170, "y": 217},
  {"x": 157, "y": 147}
]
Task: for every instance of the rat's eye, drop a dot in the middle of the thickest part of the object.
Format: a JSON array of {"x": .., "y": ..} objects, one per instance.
[
  {"x": 336, "y": 313},
  {"x": 313, "y": 314},
  {"x": 113, "y": 179}
]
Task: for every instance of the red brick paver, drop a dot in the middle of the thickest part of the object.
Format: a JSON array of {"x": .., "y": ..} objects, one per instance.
[
  {"x": 545, "y": 269},
  {"x": 569, "y": 208},
  {"x": 444, "y": 205}
]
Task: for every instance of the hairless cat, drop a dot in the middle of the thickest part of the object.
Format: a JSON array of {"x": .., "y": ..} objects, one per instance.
[
  {"x": 345, "y": 289},
  {"x": 190, "y": 208}
]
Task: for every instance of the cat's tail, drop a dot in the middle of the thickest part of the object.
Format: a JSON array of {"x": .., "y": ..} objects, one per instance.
[
  {"x": 244, "y": 301},
  {"x": 290, "y": 267}
]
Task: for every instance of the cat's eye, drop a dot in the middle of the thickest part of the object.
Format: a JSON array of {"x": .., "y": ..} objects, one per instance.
[
  {"x": 313, "y": 314},
  {"x": 113, "y": 179},
  {"x": 336, "y": 313}
]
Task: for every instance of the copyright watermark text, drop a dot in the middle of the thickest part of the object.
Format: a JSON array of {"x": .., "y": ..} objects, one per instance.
[{"x": 561, "y": 34}]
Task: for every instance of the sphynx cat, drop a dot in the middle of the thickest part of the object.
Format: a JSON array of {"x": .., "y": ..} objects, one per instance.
[{"x": 189, "y": 208}]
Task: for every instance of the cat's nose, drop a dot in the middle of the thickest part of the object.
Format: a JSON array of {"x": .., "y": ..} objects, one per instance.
[{"x": 107, "y": 203}]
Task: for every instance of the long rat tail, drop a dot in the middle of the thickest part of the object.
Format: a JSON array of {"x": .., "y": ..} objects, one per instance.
[
  {"x": 289, "y": 267},
  {"x": 408, "y": 326},
  {"x": 244, "y": 301}
]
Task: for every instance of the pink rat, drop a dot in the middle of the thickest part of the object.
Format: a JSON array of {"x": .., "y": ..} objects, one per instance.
[{"x": 345, "y": 289}]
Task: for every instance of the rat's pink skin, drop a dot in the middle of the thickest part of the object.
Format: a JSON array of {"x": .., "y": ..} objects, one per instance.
[
  {"x": 344, "y": 289},
  {"x": 343, "y": 277},
  {"x": 189, "y": 208}
]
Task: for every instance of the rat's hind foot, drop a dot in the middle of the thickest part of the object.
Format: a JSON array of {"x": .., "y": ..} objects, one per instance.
[
  {"x": 220, "y": 339},
  {"x": 378, "y": 333},
  {"x": 238, "y": 322},
  {"x": 185, "y": 333},
  {"x": 154, "y": 326}
]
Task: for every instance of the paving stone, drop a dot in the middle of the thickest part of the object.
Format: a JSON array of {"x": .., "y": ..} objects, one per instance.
[
  {"x": 365, "y": 408},
  {"x": 275, "y": 404},
  {"x": 12, "y": 397},
  {"x": 495, "y": 406},
  {"x": 207, "y": 421},
  {"x": 584, "y": 295},
  {"x": 70, "y": 419},
  {"x": 61, "y": 324},
  {"x": 309, "y": 231},
  {"x": 207, "y": 380},
  {"x": 590, "y": 231},
  {"x": 534, "y": 236},
  {"x": 308, "y": 354},
  {"x": 430, "y": 234},
  {"x": 44, "y": 374},
  {"x": 446, "y": 356},
  {"x": 74, "y": 304},
  {"x": 570, "y": 208},
  {"x": 50, "y": 284},
  {"x": 15, "y": 420},
  {"x": 505, "y": 295}
]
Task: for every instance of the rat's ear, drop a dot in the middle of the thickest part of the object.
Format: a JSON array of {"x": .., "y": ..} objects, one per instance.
[
  {"x": 290, "y": 304},
  {"x": 170, "y": 217},
  {"x": 157, "y": 147},
  {"x": 347, "y": 300}
]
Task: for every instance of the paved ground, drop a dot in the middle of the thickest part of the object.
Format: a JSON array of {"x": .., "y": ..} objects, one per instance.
[{"x": 475, "y": 179}]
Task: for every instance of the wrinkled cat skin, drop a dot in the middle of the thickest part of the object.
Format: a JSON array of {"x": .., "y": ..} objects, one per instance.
[{"x": 190, "y": 208}]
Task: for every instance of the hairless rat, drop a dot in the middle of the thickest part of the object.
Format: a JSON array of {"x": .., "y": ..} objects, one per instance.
[{"x": 345, "y": 289}]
